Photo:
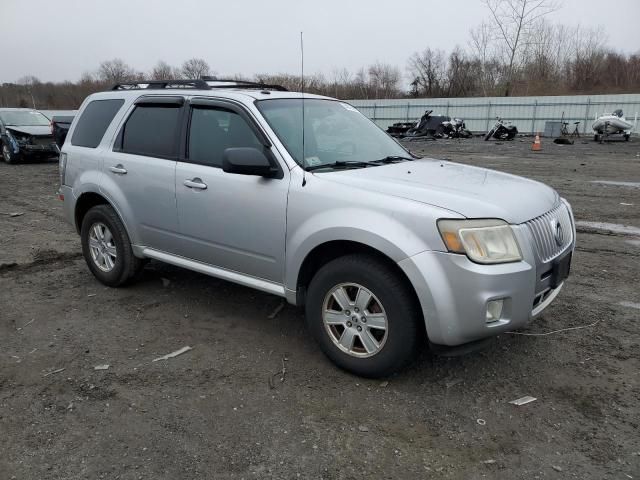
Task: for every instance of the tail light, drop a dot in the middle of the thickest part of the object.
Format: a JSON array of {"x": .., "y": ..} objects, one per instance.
[{"x": 62, "y": 167}]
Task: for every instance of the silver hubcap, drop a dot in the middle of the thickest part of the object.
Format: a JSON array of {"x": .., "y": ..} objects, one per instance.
[
  {"x": 355, "y": 320},
  {"x": 102, "y": 247},
  {"x": 5, "y": 152}
]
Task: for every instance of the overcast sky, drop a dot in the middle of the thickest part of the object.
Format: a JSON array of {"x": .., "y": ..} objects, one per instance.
[{"x": 60, "y": 39}]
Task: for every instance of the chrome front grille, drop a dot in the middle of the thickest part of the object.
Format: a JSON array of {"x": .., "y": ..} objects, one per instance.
[{"x": 552, "y": 232}]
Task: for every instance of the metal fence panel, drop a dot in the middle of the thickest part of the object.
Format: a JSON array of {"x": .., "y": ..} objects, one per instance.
[{"x": 529, "y": 114}]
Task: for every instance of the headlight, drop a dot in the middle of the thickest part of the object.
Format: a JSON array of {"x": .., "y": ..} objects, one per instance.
[{"x": 483, "y": 241}]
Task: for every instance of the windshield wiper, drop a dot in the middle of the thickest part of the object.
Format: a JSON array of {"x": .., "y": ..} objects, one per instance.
[
  {"x": 393, "y": 159},
  {"x": 344, "y": 164}
]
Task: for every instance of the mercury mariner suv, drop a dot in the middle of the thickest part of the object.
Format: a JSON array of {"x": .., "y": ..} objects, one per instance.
[{"x": 303, "y": 197}]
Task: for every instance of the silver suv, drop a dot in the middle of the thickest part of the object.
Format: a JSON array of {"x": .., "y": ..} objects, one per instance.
[{"x": 303, "y": 197}]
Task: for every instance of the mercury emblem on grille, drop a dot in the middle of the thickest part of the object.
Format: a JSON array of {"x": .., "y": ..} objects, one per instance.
[{"x": 556, "y": 228}]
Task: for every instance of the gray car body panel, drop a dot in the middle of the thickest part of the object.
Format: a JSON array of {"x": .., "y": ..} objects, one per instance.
[{"x": 264, "y": 229}]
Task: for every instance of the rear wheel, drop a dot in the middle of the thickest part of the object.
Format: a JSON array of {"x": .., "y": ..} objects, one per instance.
[
  {"x": 364, "y": 316},
  {"x": 106, "y": 247}
]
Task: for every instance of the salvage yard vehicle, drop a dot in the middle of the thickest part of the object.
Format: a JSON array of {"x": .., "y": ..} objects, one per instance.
[
  {"x": 303, "y": 197},
  {"x": 60, "y": 125},
  {"x": 25, "y": 133}
]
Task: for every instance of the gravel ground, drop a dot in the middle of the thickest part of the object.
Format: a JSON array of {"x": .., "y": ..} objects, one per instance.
[{"x": 211, "y": 412}]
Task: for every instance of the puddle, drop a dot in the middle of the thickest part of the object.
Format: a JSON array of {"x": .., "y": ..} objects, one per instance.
[
  {"x": 619, "y": 184},
  {"x": 610, "y": 227},
  {"x": 630, "y": 305}
]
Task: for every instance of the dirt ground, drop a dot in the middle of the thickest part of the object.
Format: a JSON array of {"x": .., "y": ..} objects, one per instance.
[{"x": 211, "y": 413}]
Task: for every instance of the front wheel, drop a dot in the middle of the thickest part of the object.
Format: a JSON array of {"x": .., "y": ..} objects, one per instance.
[
  {"x": 8, "y": 155},
  {"x": 364, "y": 316},
  {"x": 489, "y": 135},
  {"x": 106, "y": 247}
]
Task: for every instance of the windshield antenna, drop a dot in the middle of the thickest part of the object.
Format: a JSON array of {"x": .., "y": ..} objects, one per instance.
[{"x": 304, "y": 159}]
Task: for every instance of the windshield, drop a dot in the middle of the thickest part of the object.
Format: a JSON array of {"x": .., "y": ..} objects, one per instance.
[
  {"x": 334, "y": 132},
  {"x": 24, "y": 119}
]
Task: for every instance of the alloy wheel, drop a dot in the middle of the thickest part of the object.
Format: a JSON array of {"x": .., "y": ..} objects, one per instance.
[
  {"x": 102, "y": 247},
  {"x": 355, "y": 320},
  {"x": 6, "y": 154}
]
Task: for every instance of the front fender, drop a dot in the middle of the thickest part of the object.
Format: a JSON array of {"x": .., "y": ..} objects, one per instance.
[{"x": 372, "y": 228}]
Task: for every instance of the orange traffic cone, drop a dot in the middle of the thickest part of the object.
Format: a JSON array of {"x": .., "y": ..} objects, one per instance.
[{"x": 537, "y": 145}]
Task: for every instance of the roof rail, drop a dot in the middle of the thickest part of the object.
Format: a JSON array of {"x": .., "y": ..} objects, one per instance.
[
  {"x": 242, "y": 84},
  {"x": 162, "y": 84}
]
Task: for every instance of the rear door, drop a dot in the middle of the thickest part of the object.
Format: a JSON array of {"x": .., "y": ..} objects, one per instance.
[
  {"x": 140, "y": 171},
  {"x": 237, "y": 222}
]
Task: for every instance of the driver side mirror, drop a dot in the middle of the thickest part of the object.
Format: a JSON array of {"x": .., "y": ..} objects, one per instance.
[{"x": 247, "y": 161}]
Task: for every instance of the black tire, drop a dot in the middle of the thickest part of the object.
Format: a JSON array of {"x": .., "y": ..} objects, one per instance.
[
  {"x": 596, "y": 137},
  {"x": 126, "y": 265},
  {"x": 626, "y": 138},
  {"x": 8, "y": 155},
  {"x": 405, "y": 325}
]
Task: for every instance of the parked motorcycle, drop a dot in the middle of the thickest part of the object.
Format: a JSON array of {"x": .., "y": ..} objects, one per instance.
[
  {"x": 455, "y": 128},
  {"x": 502, "y": 130}
]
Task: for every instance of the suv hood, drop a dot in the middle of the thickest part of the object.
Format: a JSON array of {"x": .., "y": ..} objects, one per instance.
[
  {"x": 470, "y": 191},
  {"x": 30, "y": 130}
]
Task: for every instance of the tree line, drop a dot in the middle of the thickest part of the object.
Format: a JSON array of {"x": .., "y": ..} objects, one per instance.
[{"x": 516, "y": 51}]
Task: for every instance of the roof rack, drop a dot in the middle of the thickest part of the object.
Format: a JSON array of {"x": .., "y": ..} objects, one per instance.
[
  {"x": 242, "y": 84},
  {"x": 162, "y": 84},
  {"x": 200, "y": 84}
]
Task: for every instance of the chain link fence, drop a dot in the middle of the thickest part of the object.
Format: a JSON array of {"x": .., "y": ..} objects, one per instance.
[{"x": 529, "y": 114}]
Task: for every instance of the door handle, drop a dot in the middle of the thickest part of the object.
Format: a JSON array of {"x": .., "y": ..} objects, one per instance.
[
  {"x": 196, "y": 183},
  {"x": 119, "y": 169}
]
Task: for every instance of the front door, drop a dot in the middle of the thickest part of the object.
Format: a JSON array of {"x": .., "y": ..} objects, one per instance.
[{"x": 237, "y": 222}]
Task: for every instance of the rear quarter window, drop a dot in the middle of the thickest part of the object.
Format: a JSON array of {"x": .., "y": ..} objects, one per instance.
[{"x": 94, "y": 121}]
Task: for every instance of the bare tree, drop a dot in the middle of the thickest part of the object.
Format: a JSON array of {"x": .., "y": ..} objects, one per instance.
[
  {"x": 164, "y": 71},
  {"x": 428, "y": 69},
  {"x": 116, "y": 71},
  {"x": 384, "y": 79},
  {"x": 481, "y": 44},
  {"x": 512, "y": 22},
  {"x": 29, "y": 82},
  {"x": 195, "y": 68}
]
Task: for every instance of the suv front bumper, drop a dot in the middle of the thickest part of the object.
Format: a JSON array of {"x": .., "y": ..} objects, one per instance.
[{"x": 454, "y": 292}]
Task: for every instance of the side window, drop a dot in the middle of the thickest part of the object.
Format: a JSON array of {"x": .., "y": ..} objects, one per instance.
[
  {"x": 152, "y": 130},
  {"x": 213, "y": 130},
  {"x": 94, "y": 121}
]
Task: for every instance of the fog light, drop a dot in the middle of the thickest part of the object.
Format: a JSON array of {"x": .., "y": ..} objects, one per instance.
[{"x": 494, "y": 310}]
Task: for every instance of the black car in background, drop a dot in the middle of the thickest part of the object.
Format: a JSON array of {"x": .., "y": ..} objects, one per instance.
[
  {"x": 25, "y": 134},
  {"x": 60, "y": 125}
]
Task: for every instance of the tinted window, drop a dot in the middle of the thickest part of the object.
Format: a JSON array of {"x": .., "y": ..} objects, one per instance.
[
  {"x": 152, "y": 130},
  {"x": 94, "y": 121},
  {"x": 214, "y": 130}
]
